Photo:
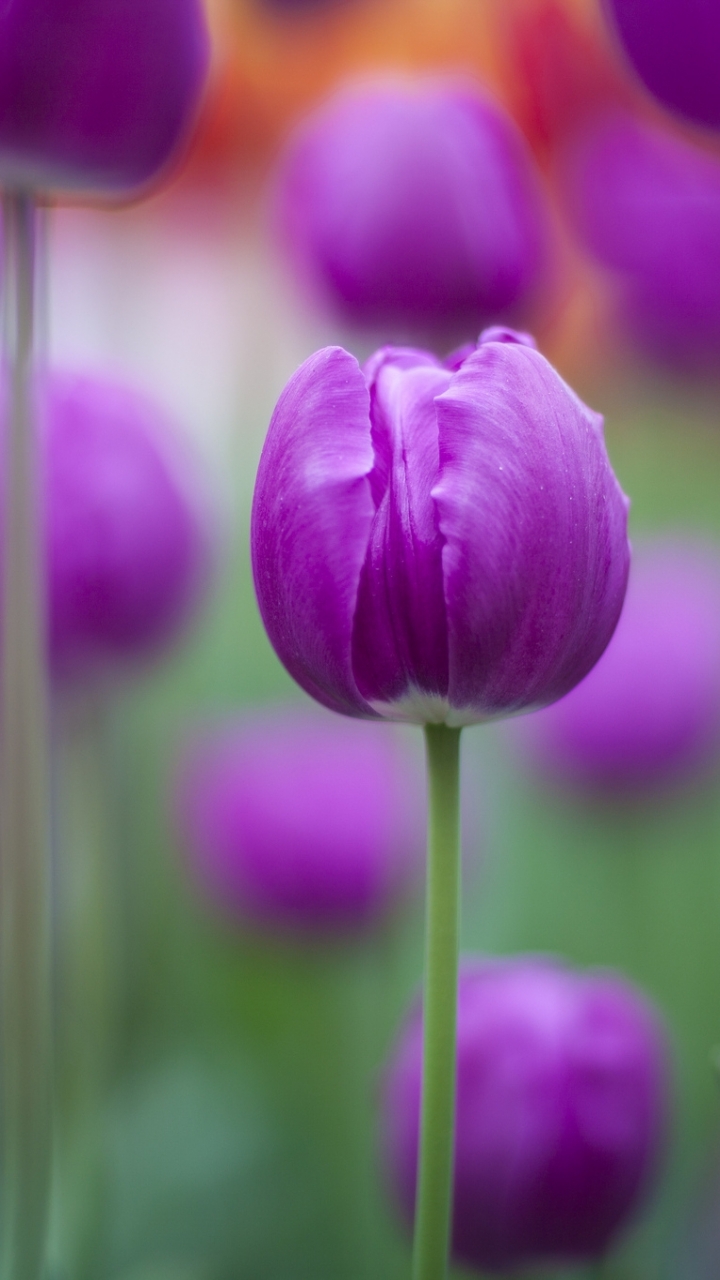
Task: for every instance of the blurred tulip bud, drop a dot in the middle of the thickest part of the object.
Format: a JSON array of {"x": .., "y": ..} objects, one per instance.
[
  {"x": 129, "y": 548},
  {"x": 94, "y": 94},
  {"x": 647, "y": 204},
  {"x": 414, "y": 205},
  {"x": 673, "y": 45},
  {"x": 296, "y": 821},
  {"x": 649, "y": 712},
  {"x": 437, "y": 542},
  {"x": 562, "y": 1104}
]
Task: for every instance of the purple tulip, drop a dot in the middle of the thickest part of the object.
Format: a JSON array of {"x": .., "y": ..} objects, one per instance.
[
  {"x": 437, "y": 542},
  {"x": 673, "y": 45},
  {"x": 562, "y": 1082},
  {"x": 301, "y": 822},
  {"x": 650, "y": 710},
  {"x": 414, "y": 205},
  {"x": 647, "y": 204},
  {"x": 128, "y": 545},
  {"x": 96, "y": 94}
]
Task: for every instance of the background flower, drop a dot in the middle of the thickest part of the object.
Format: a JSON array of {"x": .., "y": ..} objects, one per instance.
[
  {"x": 561, "y": 1111},
  {"x": 129, "y": 539},
  {"x": 646, "y": 204},
  {"x": 298, "y": 821},
  {"x": 649, "y": 712},
  {"x": 94, "y": 94},
  {"x": 672, "y": 45},
  {"x": 414, "y": 204}
]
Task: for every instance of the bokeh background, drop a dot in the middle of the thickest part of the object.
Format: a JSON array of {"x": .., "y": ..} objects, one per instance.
[{"x": 218, "y": 1102}]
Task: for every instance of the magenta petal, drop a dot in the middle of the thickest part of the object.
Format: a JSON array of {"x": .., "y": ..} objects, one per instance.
[
  {"x": 501, "y": 333},
  {"x": 536, "y": 555},
  {"x": 311, "y": 522},
  {"x": 400, "y": 634}
]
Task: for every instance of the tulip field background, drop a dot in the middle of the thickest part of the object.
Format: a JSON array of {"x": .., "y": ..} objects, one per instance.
[
  {"x": 242, "y": 1119},
  {"x": 218, "y": 1092}
]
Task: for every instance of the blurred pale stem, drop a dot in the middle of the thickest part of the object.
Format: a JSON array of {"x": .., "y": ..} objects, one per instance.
[
  {"x": 437, "y": 1124},
  {"x": 88, "y": 982},
  {"x": 25, "y": 872}
]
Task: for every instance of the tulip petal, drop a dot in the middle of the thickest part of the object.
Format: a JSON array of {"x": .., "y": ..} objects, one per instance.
[
  {"x": 400, "y": 632},
  {"x": 311, "y": 521},
  {"x": 536, "y": 557}
]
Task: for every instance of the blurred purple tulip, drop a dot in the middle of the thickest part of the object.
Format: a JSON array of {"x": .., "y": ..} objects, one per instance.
[
  {"x": 414, "y": 205},
  {"x": 649, "y": 712},
  {"x": 301, "y": 822},
  {"x": 647, "y": 204},
  {"x": 561, "y": 1111},
  {"x": 96, "y": 94},
  {"x": 435, "y": 543},
  {"x": 673, "y": 45},
  {"x": 128, "y": 541}
]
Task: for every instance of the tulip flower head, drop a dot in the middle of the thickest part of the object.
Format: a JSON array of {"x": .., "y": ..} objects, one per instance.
[
  {"x": 562, "y": 1099},
  {"x": 94, "y": 94},
  {"x": 301, "y": 822},
  {"x": 649, "y": 712},
  {"x": 647, "y": 204},
  {"x": 414, "y": 206},
  {"x": 128, "y": 545},
  {"x": 673, "y": 45},
  {"x": 437, "y": 542}
]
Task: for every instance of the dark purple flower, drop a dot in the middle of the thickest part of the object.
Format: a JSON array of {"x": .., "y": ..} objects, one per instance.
[
  {"x": 433, "y": 543},
  {"x": 96, "y": 94},
  {"x": 650, "y": 710},
  {"x": 128, "y": 546},
  {"x": 647, "y": 204},
  {"x": 414, "y": 205},
  {"x": 673, "y": 45},
  {"x": 561, "y": 1110},
  {"x": 300, "y": 821}
]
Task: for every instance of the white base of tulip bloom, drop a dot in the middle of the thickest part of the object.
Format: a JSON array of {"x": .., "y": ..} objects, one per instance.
[{"x": 417, "y": 707}]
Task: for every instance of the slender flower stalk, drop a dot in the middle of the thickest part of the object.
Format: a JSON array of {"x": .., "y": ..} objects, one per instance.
[
  {"x": 433, "y": 1211},
  {"x": 25, "y": 870}
]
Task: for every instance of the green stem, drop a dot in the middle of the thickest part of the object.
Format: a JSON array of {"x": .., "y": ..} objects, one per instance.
[
  {"x": 25, "y": 871},
  {"x": 437, "y": 1124}
]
